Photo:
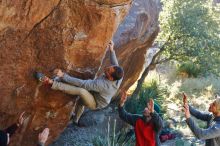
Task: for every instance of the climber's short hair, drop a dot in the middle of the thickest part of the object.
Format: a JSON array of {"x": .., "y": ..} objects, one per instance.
[{"x": 118, "y": 73}]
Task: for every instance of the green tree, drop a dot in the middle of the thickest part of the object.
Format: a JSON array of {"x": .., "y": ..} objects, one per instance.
[{"x": 190, "y": 31}]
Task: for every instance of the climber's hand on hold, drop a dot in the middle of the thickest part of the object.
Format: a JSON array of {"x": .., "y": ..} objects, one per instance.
[{"x": 111, "y": 45}]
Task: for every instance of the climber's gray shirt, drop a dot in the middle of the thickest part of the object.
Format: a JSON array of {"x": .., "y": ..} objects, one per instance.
[{"x": 101, "y": 88}]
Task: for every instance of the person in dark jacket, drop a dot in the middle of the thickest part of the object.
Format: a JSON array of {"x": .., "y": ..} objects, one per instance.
[
  {"x": 147, "y": 126},
  {"x": 212, "y": 133},
  {"x": 7, "y": 133}
]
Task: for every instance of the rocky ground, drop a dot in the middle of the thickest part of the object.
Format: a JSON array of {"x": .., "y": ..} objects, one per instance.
[
  {"x": 94, "y": 124},
  {"x": 76, "y": 136}
]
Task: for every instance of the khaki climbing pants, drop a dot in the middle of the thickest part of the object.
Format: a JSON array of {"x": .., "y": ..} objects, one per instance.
[{"x": 86, "y": 98}]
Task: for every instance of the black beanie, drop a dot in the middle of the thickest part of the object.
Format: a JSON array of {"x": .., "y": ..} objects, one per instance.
[{"x": 3, "y": 138}]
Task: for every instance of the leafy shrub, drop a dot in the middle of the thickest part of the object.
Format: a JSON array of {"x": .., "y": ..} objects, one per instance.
[
  {"x": 189, "y": 69},
  {"x": 122, "y": 138},
  {"x": 148, "y": 90}
]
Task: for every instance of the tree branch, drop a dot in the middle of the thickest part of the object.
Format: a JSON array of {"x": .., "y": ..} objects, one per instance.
[{"x": 163, "y": 60}]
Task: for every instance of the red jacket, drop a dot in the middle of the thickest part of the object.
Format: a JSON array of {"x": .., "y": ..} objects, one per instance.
[{"x": 147, "y": 134}]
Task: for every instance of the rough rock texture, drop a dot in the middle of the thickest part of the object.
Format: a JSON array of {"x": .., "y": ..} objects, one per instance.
[
  {"x": 95, "y": 124},
  {"x": 134, "y": 36},
  {"x": 43, "y": 35}
]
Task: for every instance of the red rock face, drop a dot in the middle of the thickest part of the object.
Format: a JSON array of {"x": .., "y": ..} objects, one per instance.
[
  {"x": 134, "y": 36},
  {"x": 44, "y": 35}
]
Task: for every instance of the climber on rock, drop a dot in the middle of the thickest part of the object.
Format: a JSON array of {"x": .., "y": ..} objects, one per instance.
[
  {"x": 147, "y": 127},
  {"x": 94, "y": 94}
]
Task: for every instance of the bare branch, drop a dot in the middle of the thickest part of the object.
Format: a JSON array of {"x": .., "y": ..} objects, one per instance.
[{"x": 163, "y": 60}]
